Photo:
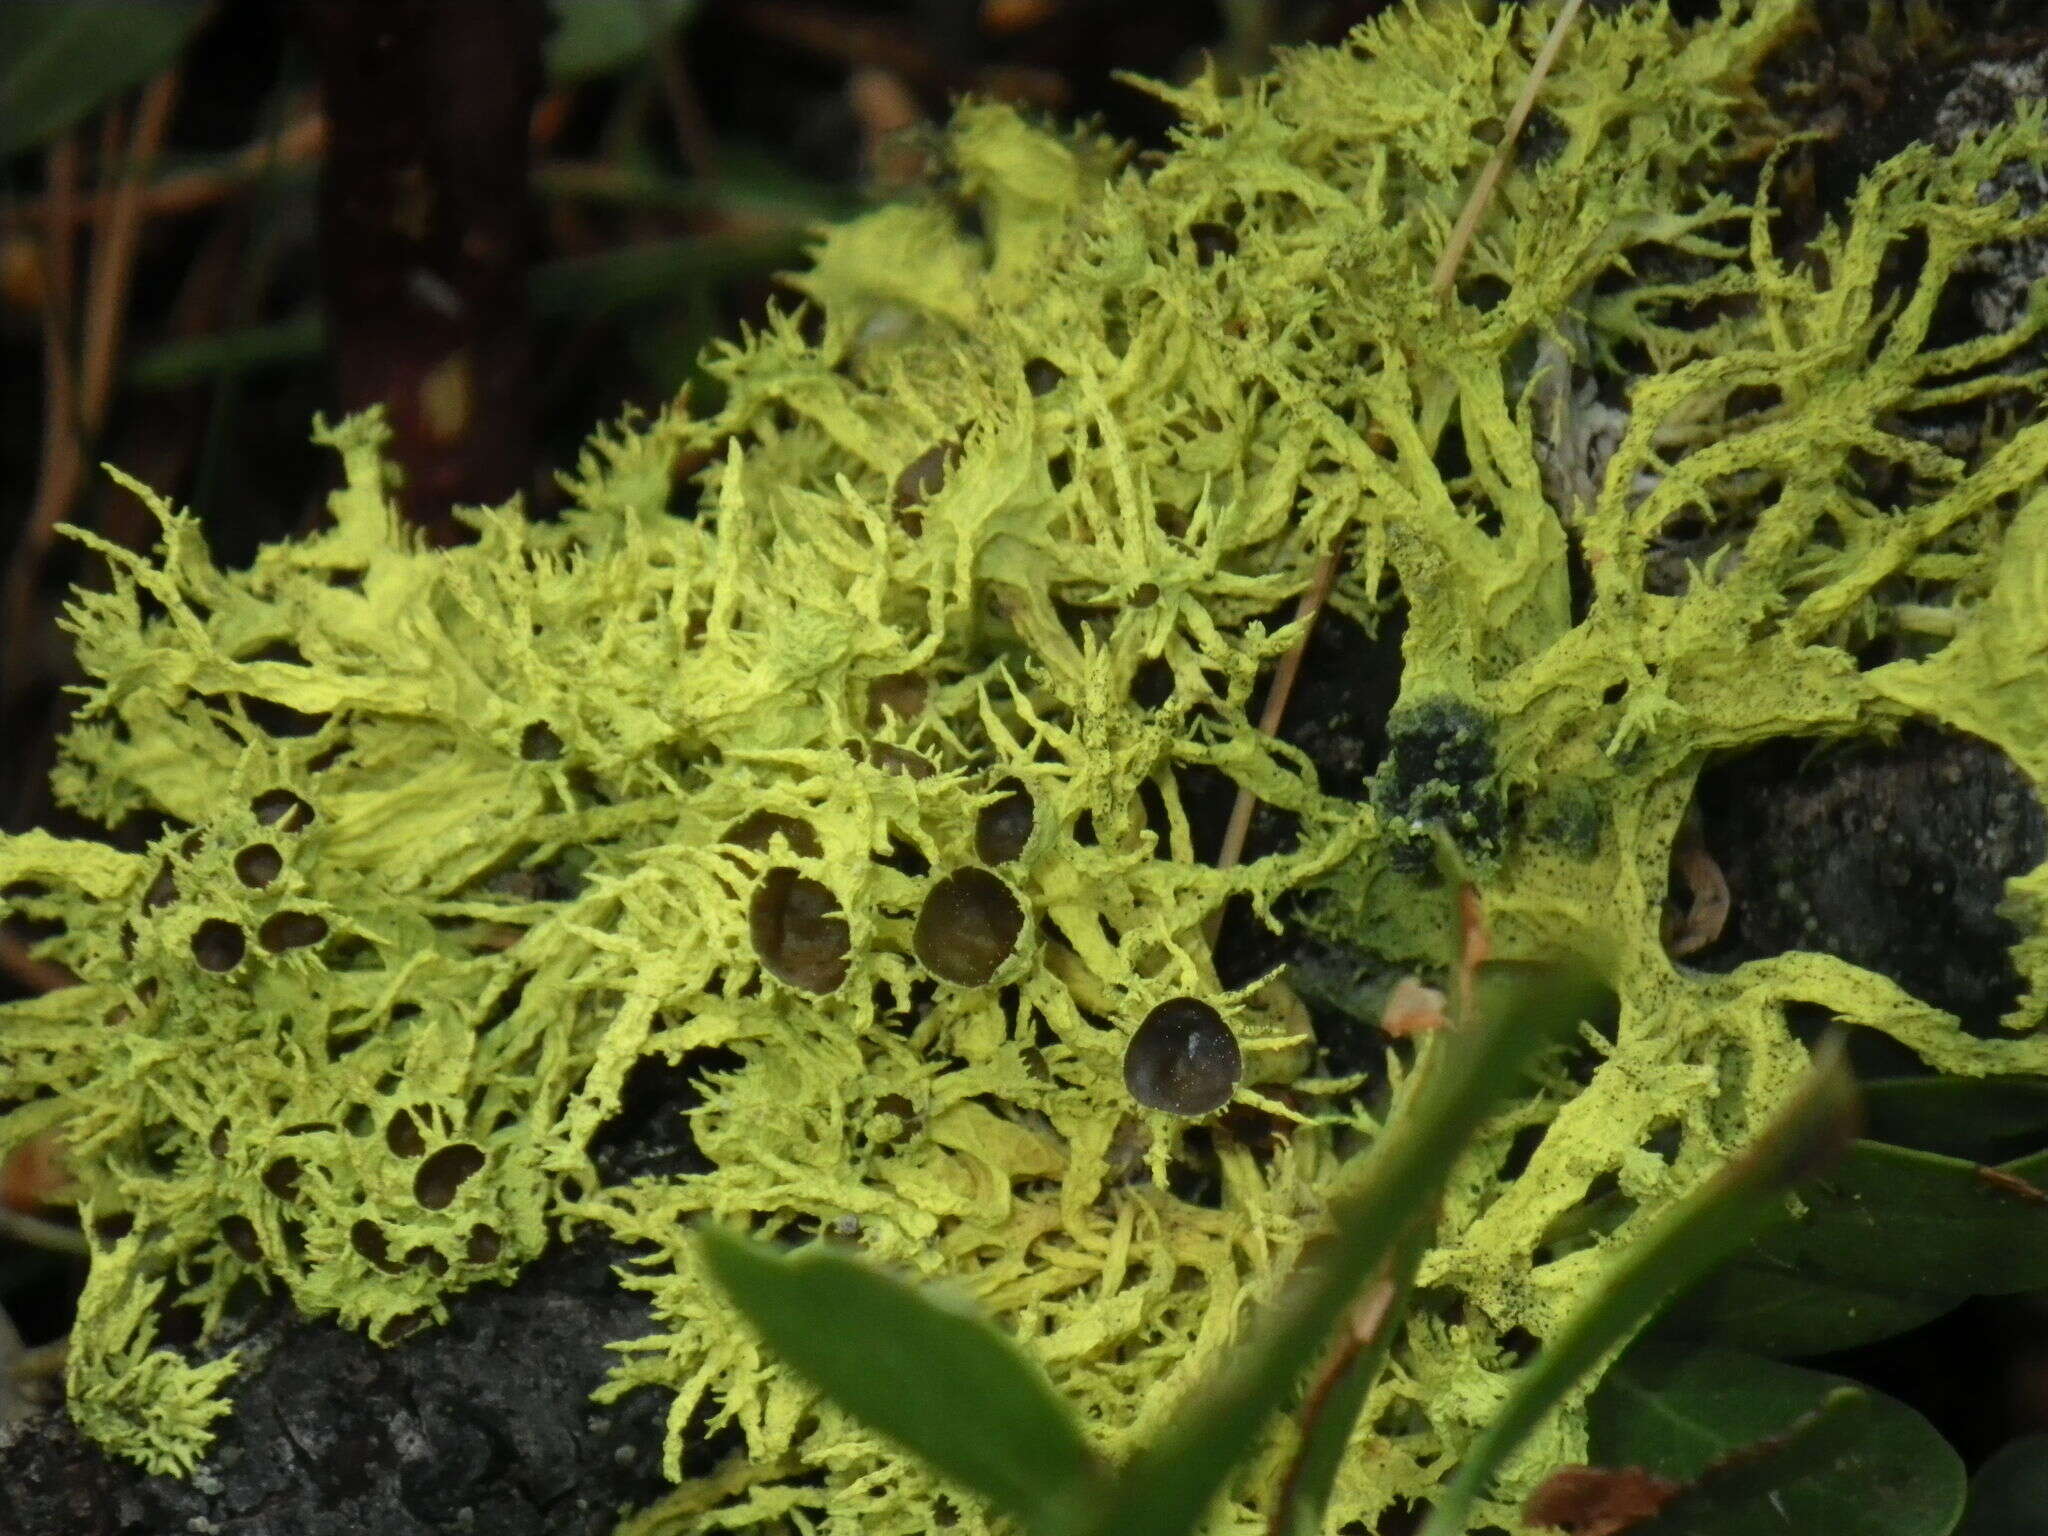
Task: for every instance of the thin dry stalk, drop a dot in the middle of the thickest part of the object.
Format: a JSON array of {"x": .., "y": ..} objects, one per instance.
[
  {"x": 301, "y": 142},
  {"x": 37, "y": 1232},
  {"x": 113, "y": 255},
  {"x": 77, "y": 398},
  {"x": 37, "y": 975},
  {"x": 1482, "y": 192},
  {"x": 61, "y": 457},
  {"x": 1440, "y": 281},
  {"x": 694, "y": 140}
]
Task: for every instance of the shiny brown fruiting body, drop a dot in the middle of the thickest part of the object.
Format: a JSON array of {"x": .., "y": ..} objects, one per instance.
[
  {"x": 798, "y": 931},
  {"x": 968, "y": 927},
  {"x": 1183, "y": 1059},
  {"x": 758, "y": 832},
  {"x": 1002, "y": 828}
]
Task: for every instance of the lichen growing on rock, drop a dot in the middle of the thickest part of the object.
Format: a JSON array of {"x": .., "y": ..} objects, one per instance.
[{"x": 836, "y": 791}]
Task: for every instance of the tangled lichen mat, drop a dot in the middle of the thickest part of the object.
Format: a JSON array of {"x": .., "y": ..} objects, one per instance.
[{"x": 808, "y": 752}]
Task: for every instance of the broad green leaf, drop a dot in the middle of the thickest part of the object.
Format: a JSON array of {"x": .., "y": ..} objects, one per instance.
[
  {"x": 1888, "y": 1240},
  {"x": 2009, "y": 1494},
  {"x": 653, "y": 270},
  {"x": 1696, "y": 1234},
  {"x": 1753, "y": 1304},
  {"x": 1902, "y": 1221},
  {"x": 1866, "y": 1466},
  {"x": 1167, "y": 1487},
  {"x": 58, "y": 61},
  {"x": 575, "y": 285},
  {"x": 595, "y": 37},
  {"x": 2032, "y": 1170},
  {"x": 1984, "y": 1119},
  {"x": 935, "y": 1377}
]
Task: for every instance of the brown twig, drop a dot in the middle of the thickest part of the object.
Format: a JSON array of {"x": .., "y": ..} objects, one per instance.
[
  {"x": 39, "y": 1231},
  {"x": 1475, "y": 207},
  {"x": 1305, "y": 612},
  {"x": 886, "y": 110},
  {"x": 77, "y": 397},
  {"x": 113, "y": 256},
  {"x": 1368, "y": 1317},
  {"x": 2011, "y": 1184},
  {"x": 694, "y": 139},
  {"x": 36, "y": 974},
  {"x": 1440, "y": 281},
  {"x": 57, "y": 470},
  {"x": 183, "y": 191}
]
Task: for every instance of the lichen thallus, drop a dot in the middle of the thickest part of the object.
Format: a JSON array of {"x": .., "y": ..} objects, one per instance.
[{"x": 1332, "y": 1401}]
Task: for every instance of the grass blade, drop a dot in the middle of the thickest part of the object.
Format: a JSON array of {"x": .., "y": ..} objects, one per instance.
[
  {"x": 1331, "y": 1410},
  {"x": 1167, "y": 1487},
  {"x": 1817, "y": 1124}
]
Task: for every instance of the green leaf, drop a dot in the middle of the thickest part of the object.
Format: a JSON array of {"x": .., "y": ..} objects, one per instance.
[
  {"x": 2010, "y": 1491},
  {"x": 1753, "y": 1304},
  {"x": 936, "y": 1378},
  {"x": 653, "y": 270},
  {"x": 1901, "y": 1221},
  {"x": 595, "y": 37},
  {"x": 2032, "y": 1170},
  {"x": 176, "y": 363},
  {"x": 1866, "y": 1466},
  {"x": 1167, "y": 1486},
  {"x": 1888, "y": 1240},
  {"x": 755, "y": 186},
  {"x": 59, "y": 61},
  {"x": 1330, "y": 1413},
  {"x": 1696, "y": 1234},
  {"x": 574, "y": 285},
  {"x": 1984, "y": 1119}
]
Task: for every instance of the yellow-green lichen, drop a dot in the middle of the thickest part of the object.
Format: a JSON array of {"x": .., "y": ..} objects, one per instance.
[{"x": 457, "y": 838}]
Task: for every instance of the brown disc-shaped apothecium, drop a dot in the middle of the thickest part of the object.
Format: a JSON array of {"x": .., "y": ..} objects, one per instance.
[
  {"x": 163, "y": 890},
  {"x": 1183, "y": 1059},
  {"x": 1043, "y": 376},
  {"x": 892, "y": 759},
  {"x": 437, "y": 1179},
  {"x": 258, "y": 864},
  {"x": 218, "y": 945},
  {"x": 291, "y": 930},
  {"x": 758, "y": 833},
  {"x": 968, "y": 927},
  {"x": 282, "y": 809},
  {"x": 538, "y": 743},
  {"x": 798, "y": 931},
  {"x": 1002, "y": 828},
  {"x": 901, "y": 694},
  {"x": 921, "y": 480}
]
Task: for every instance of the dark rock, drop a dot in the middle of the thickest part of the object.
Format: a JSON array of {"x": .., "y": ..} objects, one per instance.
[
  {"x": 1893, "y": 858},
  {"x": 484, "y": 1425}
]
